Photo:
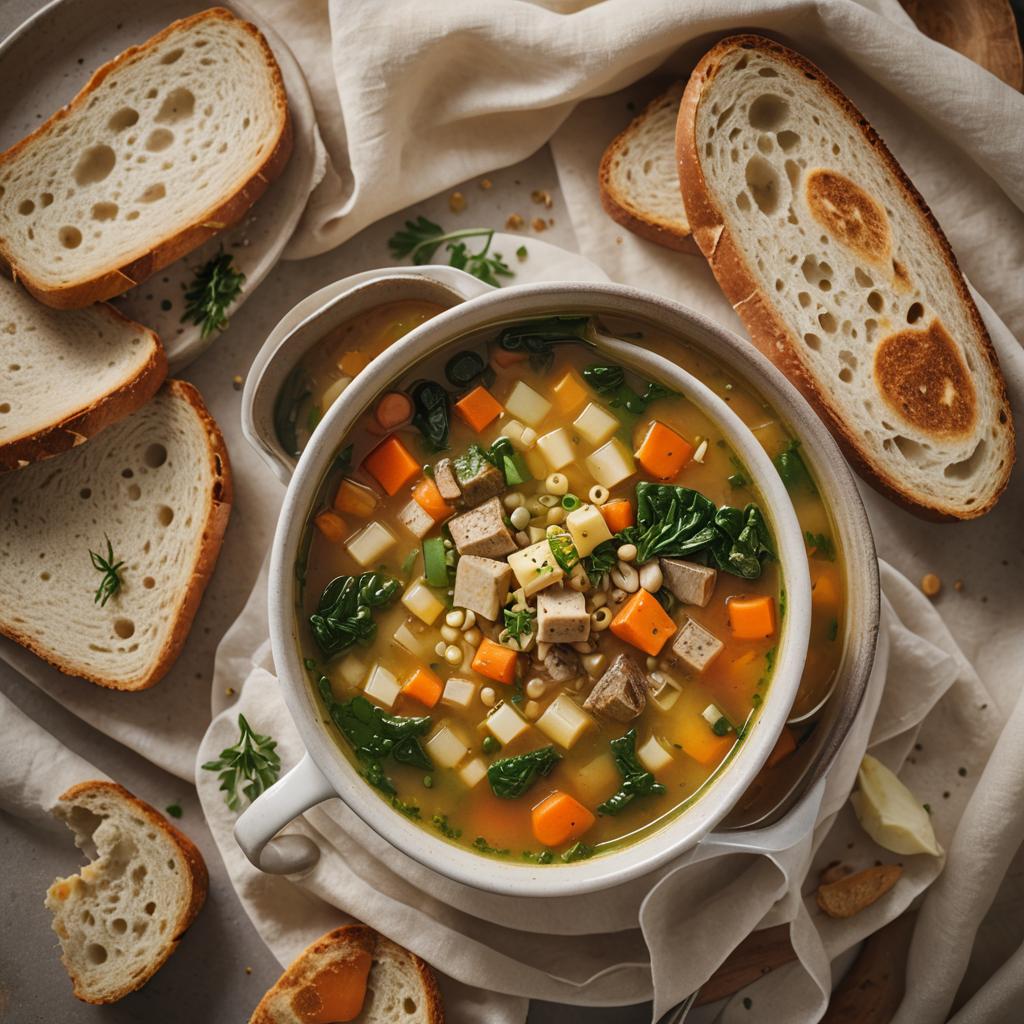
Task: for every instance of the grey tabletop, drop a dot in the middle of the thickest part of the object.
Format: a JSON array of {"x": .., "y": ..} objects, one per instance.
[{"x": 222, "y": 967}]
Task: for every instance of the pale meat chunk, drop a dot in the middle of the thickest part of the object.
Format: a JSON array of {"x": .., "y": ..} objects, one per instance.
[
  {"x": 688, "y": 581},
  {"x": 416, "y": 520},
  {"x": 561, "y": 664},
  {"x": 562, "y": 616},
  {"x": 447, "y": 485},
  {"x": 696, "y": 647},
  {"x": 481, "y": 585},
  {"x": 621, "y": 693},
  {"x": 482, "y": 531},
  {"x": 477, "y": 478}
]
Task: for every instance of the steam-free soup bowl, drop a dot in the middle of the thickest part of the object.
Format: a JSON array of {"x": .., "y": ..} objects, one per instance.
[{"x": 325, "y": 772}]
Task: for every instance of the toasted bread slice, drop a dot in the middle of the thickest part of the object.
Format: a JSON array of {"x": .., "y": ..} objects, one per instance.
[
  {"x": 124, "y": 914},
  {"x": 843, "y": 277},
  {"x": 638, "y": 178},
  {"x": 165, "y": 145},
  {"x": 158, "y": 485},
  {"x": 353, "y": 974},
  {"x": 65, "y": 375}
]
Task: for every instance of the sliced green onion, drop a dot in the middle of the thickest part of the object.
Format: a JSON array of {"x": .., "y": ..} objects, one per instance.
[
  {"x": 564, "y": 551},
  {"x": 570, "y": 501}
]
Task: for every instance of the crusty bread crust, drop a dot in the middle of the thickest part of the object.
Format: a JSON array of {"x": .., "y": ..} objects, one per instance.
[
  {"x": 74, "y": 430},
  {"x": 196, "y": 872},
  {"x": 155, "y": 254},
  {"x": 767, "y": 329}
]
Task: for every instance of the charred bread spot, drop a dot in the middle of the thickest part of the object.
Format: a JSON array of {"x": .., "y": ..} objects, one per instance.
[{"x": 852, "y": 217}]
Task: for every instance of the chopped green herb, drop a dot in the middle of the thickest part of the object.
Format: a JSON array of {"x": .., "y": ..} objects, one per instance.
[
  {"x": 253, "y": 759},
  {"x": 600, "y": 561},
  {"x": 821, "y": 546},
  {"x": 428, "y": 781},
  {"x": 521, "y": 253},
  {"x": 519, "y": 622},
  {"x": 409, "y": 810},
  {"x": 485, "y": 847},
  {"x": 174, "y": 810},
  {"x": 111, "y": 569},
  {"x": 578, "y": 851},
  {"x": 309, "y": 663},
  {"x": 440, "y": 822},
  {"x": 544, "y": 857},
  {"x": 215, "y": 286},
  {"x": 722, "y": 726},
  {"x": 769, "y": 658},
  {"x": 511, "y": 777},
  {"x": 490, "y": 745},
  {"x": 420, "y": 239},
  {"x": 833, "y": 629}
]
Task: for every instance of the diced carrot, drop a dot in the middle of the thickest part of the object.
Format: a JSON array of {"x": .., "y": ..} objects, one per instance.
[
  {"x": 559, "y": 818},
  {"x": 700, "y": 742},
  {"x": 423, "y": 686},
  {"x": 502, "y": 359},
  {"x": 355, "y": 499},
  {"x": 663, "y": 453},
  {"x": 784, "y": 746},
  {"x": 643, "y": 623},
  {"x": 428, "y": 497},
  {"x": 479, "y": 408},
  {"x": 618, "y": 514},
  {"x": 391, "y": 464},
  {"x": 751, "y": 618},
  {"x": 353, "y": 362},
  {"x": 569, "y": 393},
  {"x": 332, "y": 526},
  {"x": 393, "y": 410},
  {"x": 495, "y": 662},
  {"x": 825, "y": 591}
]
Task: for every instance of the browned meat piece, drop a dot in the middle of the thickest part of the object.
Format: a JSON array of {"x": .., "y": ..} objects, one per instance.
[
  {"x": 562, "y": 616},
  {"x": 561, "y": 664},
  {"x": 482, "y": 531},
  {"x": 447, "y": 485},
  {"x": 482, "y": 482},
  {"x": 621, "y": 693},
  {"x": 690, "y": 582},
  {"x": 481, "y": 585}
]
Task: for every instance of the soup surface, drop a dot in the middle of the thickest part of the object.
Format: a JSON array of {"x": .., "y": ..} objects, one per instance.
[{"x": 541, "y": 608}]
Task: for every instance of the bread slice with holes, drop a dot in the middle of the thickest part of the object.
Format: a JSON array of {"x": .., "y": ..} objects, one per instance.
[
  {"x": 843, "y": 277},
  {"x": 638, "y": 178},
  {"x": 353, "y": 973},
  {"x": 124, "y": 913},
  {"x": 67, "y": 374},
  {"x": 158, "y": 485},
  {"x": 166, "y": 145}
]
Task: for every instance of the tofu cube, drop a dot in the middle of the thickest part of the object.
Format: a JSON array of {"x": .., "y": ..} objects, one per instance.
[
  {"x": 513, "y": 430},
  {"x": 482, "y": 531},
  {"x": 351, "y": 670},
  {"x": 481, "y": 585},
  {"x": 535, "y": 567},
  {"x": 416, "y": 520},
  {"x": 562, "y": 616},
  {"x": 459, "y": 693},
  {"x": 611, "y": 464},
  {"x": 525, "y": 404},
  {"x": 588, "y": 528},
  {"x": 413, "y": 637},
  {"x": 696, "y": 647},
  {"x": 536, "y": 463},
  {"x": 569, "y": 393},
  {"x": 688, "y": 581},
  {"x": 654, "y": 755},
  {"x": 557, "y": 449},
  {"x": 422, "y": 602},
  {"x": 371, "y": 544},
  {"x": 564, "y": 721},
  {"x": 446, "y": 747},
  {"x": 383, "y": 687},
  {"x": 595, "y": 424},
  {"x": 505, "y": 724},
  {"x": 473, "y": 772}
]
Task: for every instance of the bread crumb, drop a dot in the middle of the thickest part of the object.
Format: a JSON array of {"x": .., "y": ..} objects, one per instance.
[
  {"x": 539, "y": 195},
  {"x": 456, "y": 202},
  {"x": 230, "y": 691},
  {"x": 236, "y": 382},
  {"x": 248, "y": 970},
  {"x": 539, "y": 224},
  {"x": 958, "y": 585},
  {"x": 486, "y": 183},
  {"x": 931, "y": 585},
  {"x": 514, "y": 222}
]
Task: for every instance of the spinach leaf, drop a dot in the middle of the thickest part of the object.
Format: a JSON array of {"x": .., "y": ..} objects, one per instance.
[
  {"x": 578, "y": 851},
  {"x": 605, "y": 380},
  {"x": 511, "y": 777},
  {"x": 743, "y": 542},
  {"x": 610, "y": 381},
  {"x": 636, "y": 779},
  {"x": 600, "y": 561},
  {"x": 792, "y": 469},
  {"x": 470, "y": 463},
  {"x": 503, "y": 455},
  {"x": 344, "y": 616},
  {"x": 464, "y": 369},
  {"x": 537, "y": 338},
  {"x": 820, "y": 546},
  {"x": 432, "y": 412}
]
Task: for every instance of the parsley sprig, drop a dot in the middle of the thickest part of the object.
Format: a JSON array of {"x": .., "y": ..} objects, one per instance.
[
  {"x": 253, "y": 758},
  {"x": 216, "y": 285},
  {"x": 111, "y": 582},
  {"x": 421, "y": 238}
]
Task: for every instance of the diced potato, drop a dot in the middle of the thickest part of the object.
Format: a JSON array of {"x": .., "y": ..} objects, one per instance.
[
  {"x": 383, "y": 687},
  {"x": 664, "y": 691},
  {"x": 711, "y": 714},
  {"x": 371, "y": 544},
  {"x": 588, "y": 529},
  {"x": 416, "y": 519},
  {"x": 418, "y": 642},
  {"x": 459, "y": 693},
  {"x": 536, "y": 463},
  {"x": 422, "y": 602},
  {"x": 557, "y": 448},
  {"x": 595, "y": 424},
  {"x": 597, "y": 780},
  {"x": 525, "y": 404},
  {"x": 473, "y": 772},
  {"x": 506, "y": 724},
  {"x": 654, "y": 755},
  {"x": 352, "y": 670},
  {"x": 445, "y": 747},
  {"x": 611, "y": 463},
  {"x": 564, "y": 721},
  {"x": 537, "y": 534},
  {"x": 535, "y": 567},
  {"x": 569, "y": 393},
  {"x": 513, "y": 430}
]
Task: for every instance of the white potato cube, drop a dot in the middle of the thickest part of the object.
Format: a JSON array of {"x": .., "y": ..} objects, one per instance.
[
  {"x": 473, "y": 772},
  {"x": 536, "y": 463},
  {"x": 611, "y": 463},
  {"x": 711, "y": 715},
  {"x": 588, "y": 528},
  {"x": 537, "y": 534},
  {"x": 597, "y": 779},
  {"x": 446, "y": 747},
  {"x": 459, "y": 693},
  {"x": 654, "y": 755},
  {"x": 352, "y": 670},
  {"x": 418, "y": 642},
  {"x": 513, "y": 430},
  {"x": 422, "y": 602},
  {"x": 371, "y": 543},
  {"x": 506, "y": 724},
  {"x": 595, "y": 424},
  {"x": 535, "y": 567},
  {"x": 525, "y": 404},
  {"x": 383, "y": 687},
  {"x": 564, "y": 721},
  {"x": 416, "y": 520},
  {"x": 557, "y": 449}
]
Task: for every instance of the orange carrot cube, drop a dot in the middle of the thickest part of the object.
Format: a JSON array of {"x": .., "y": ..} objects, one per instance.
[
  {"x": 495, "y": 662},
  {"x": 559, "y": 818},
  {"x": 391, "y": 464},
  {"x": 825, "y": 591},
  {"x": 332, "y": 526},
  {"x": 569, "y": 393},
  {"x": 423, "y": 686},
  {"x": 643, "y": 623},
  {"x": 700, "y": 742},
  {"x": 618, "y": 514},
  {"x": 479, "y": 408},
  {"x": 751, "y": 618},
  {"x": 428, "y": 497},
  {"x": 663, "y": 453}
]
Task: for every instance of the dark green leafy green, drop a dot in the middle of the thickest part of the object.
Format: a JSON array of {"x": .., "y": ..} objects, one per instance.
[
  {"x": 470, "y": 463},
  {"x": 600, "y": 561},
  {"x": 578, "y": 851},
  {"x": 464, "y": 369},
  {"x": 792, "y": 469},
  {"x": 511, "y": 777},
  {"x": 217, "y": 283},
  {"x": 537, "y": 338},
  {"x": 610, "y": 381},
  {"x": 636, "y": 779},
  {"x": 503, "y": 455},
  {"x": 431, "y": 412},
  {"x": 253, "y": 758},
  {"x": 344, "y": 616},
  {"x": 744, "y": 543}
]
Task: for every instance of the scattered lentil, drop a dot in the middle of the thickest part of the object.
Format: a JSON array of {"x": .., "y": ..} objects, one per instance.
[{"x": 456, "y": 202}]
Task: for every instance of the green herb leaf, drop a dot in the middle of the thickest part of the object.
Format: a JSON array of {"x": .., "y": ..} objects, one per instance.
[
  {"x": 600, "y": 561},
  {"x": 511, "y": 777},
  {"x": 537, "y": 338},
  {"x": 111, "y": 569},
  {"x": 431, "y": 412},
  {"x": 440, "y": 822},
  {"x": 636, "y": 779},
  {"x": 821, "y": 546},
  {"x": 174, "y": 810},
  {"x": 215, "y": 286},
  {"x": 610, "y": 381},
  {"x": 253, "y": 760},
  {"x": 543, "y": 857},
  {"x": 578, "y": 851},
  {"x": 792, "y": 469},
  {"x": 485, "y": 847},
  {"x": 420, "y": 240},
  {"x": 344, "y": 616},
  {"x": 519, "y": 622}
]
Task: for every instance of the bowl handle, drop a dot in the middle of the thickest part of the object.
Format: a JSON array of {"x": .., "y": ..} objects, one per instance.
[{"x": 303, "y": 787}]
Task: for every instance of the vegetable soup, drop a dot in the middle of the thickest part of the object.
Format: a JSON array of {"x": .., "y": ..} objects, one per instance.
[{"x": 540, "y": 610}]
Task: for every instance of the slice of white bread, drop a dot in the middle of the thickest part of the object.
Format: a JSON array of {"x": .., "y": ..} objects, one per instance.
[
  {"x": 347, "y": 968},
  {"x": 165, "y": 145},
  {"x": 638, "y": 178},
  {"x": 67, "y": 374},
  {"x": 124, "y": 913},
  {"x": 158, "y": 485},
  {"x": 843, "y": 277}
]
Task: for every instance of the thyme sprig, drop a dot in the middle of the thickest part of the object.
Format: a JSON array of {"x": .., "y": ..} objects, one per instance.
[
  {"x": 216, "y": 285},
  {"x": 111, "y": 569},
  {"x": 253, "y": 759}
]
